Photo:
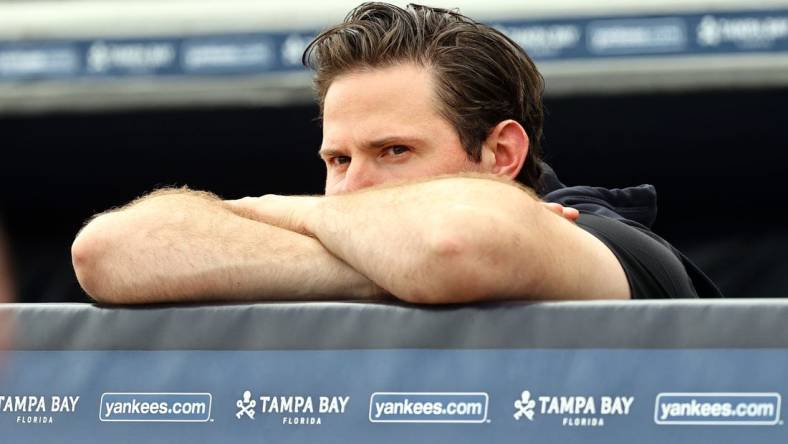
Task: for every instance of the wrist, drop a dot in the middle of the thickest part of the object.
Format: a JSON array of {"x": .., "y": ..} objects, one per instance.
[{"x": 312, "y": 215}]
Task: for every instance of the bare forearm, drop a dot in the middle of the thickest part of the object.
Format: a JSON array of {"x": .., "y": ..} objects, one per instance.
[
  {"x": 189, "y": 246},
  {"x": 410, "y": 238}
]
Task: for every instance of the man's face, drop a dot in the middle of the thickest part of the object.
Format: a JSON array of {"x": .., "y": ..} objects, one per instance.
[{"x": 382, "y": 125}]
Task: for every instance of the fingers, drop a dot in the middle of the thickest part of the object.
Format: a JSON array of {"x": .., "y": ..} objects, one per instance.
[
  {"x": 242, "y": 201},
  {"x": 570, "y": 213},
  {"x": 554, "y": 207},
  {"x": 565, "y": 212}
]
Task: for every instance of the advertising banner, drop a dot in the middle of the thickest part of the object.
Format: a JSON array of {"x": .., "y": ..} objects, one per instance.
[
  {"x": 255, "y": 53},
  {"x": 394, "y": 396}
]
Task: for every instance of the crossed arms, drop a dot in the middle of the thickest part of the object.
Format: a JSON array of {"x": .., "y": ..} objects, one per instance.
[{"x": 440, "y": 240}]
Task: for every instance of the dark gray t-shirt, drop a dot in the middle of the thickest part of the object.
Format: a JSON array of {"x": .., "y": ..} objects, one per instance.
[{"x": 653, "y": 267}]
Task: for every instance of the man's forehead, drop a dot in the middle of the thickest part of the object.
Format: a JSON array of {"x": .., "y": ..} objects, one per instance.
[{"x": 371, "y": 105}]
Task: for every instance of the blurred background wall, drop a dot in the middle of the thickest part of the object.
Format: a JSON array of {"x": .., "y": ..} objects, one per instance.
[{"x": 101, "y": 102}]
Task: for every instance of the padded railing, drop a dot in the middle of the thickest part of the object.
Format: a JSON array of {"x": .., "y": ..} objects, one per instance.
[{"x": 657, "y": 371}]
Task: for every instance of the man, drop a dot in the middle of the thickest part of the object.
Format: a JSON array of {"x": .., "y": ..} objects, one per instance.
[{"x": 428, "y": 117}]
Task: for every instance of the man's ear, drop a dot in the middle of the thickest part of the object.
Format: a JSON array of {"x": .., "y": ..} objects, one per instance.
[{"x": 505, "y": 149}]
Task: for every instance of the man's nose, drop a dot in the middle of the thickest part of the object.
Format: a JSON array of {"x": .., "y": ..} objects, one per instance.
[{"x": 360, "y": 174}]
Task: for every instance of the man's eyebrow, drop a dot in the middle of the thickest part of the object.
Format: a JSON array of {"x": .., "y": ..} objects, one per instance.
[
  {"x": 390, "y": 140},
  {"x": 326, "y": 152},
  {"x": 372, "y": 144}
]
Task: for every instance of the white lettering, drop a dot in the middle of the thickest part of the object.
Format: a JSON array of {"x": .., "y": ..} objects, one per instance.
[
  {"x": 333, "y": 404},
  {"x": 264, "y": 403},
  {"x": 25, "y": 404},
  {"x": 64, "y": 403},
  {"x": 616, "y": 405},
  {"x": 627, "y": 402}
]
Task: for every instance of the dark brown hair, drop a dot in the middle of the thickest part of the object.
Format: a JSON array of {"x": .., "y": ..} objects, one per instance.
[{"x": 482, "y": 76}]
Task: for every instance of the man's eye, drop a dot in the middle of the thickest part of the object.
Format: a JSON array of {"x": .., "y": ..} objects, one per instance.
[
  {"x": 339, "y": 160},
  {"x": 398, "y": 149}
]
